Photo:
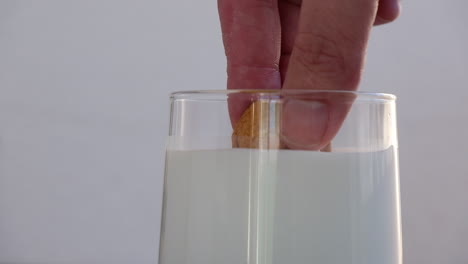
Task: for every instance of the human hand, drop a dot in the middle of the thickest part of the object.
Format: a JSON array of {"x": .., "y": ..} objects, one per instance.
[{"x": 294, "y": 44}]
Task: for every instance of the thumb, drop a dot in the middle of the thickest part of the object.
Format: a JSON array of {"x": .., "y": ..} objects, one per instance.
[
  {"x": 304, "y": 123},
  {"x": 311, "y": 119},
  {"x": 328, "y": 54}
]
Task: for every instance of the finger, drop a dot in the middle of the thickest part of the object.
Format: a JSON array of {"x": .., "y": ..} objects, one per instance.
[
  {"x": 389, "y": 10},
  {"x": 328, "y": 54},
  {"x": 251, "y": 34},
  {"x": 289, "y": 10}
]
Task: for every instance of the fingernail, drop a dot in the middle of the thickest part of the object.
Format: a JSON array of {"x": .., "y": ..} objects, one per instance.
[{"x": 304, "y": 124}]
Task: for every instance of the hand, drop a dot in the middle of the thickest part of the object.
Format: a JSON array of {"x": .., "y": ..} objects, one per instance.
[{"x": 294, "y": 44}]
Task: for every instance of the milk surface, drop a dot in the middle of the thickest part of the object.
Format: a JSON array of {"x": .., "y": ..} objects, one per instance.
[{"x": 262, "y": 207}]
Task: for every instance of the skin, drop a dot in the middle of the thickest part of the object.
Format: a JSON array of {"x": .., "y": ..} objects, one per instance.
[{"x": 294, "y": 44}]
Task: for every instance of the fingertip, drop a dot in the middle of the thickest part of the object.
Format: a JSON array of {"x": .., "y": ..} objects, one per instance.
[
  {"x": 304, "y": 124},
  {"x": 389, "y": 11}
]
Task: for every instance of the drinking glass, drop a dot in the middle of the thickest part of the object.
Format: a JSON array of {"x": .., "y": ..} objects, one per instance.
[{"x": 236, "y": 191}]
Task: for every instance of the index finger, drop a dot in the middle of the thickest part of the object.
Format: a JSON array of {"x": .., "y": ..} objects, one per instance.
[{"x": 252, "y": 39}]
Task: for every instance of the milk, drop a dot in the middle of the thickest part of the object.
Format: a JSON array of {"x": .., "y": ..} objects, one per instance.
[{"x": 284, "y": 207}]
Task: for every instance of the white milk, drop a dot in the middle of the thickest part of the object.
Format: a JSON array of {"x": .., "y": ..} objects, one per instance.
[{"x": 283, "y": 207}]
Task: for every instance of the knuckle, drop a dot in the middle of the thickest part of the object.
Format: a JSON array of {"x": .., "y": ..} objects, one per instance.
[
  {"x": 318, "y": 53},
  {"x": 323, "y": 57}
]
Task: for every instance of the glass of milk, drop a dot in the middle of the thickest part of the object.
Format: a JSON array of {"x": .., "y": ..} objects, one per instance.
[{"x": 269, "y": 203}]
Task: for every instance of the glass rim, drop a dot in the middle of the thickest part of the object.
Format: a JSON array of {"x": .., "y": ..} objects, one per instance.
[{"x": 201, "y": 95}]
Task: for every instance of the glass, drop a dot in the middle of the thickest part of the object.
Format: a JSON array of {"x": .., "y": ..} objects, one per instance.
[{"x": 247, "y": 195}]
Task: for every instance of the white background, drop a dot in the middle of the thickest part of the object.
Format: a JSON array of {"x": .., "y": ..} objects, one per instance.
[{"x": 84, "y": 114}]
